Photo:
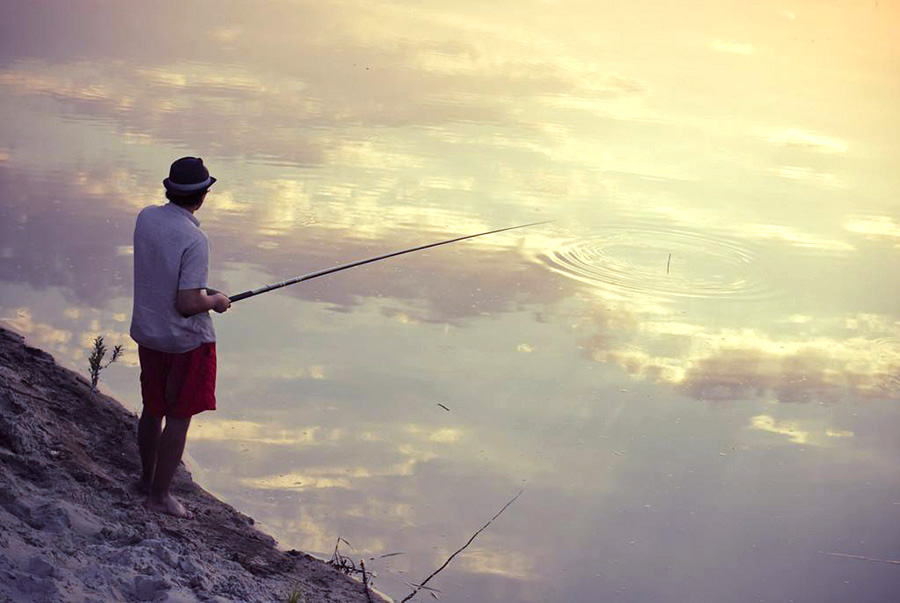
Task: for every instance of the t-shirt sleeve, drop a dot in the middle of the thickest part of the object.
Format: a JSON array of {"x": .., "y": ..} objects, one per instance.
[{"x": 194, "y": 266}]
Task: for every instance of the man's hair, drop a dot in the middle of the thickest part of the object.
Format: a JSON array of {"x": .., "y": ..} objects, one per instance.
[{"x": 186, "y": 200}]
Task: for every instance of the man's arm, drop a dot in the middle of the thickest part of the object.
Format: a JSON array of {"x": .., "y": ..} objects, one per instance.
[{"x": 195, "y": 301}]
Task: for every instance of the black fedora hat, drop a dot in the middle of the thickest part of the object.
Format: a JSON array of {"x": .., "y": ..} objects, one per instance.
[{"x": 188, "y": 176}]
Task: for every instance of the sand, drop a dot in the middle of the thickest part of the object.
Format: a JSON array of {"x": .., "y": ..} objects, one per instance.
[{"x": 73, "y": 528}]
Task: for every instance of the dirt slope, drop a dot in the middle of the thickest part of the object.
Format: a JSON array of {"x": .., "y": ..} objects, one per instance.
[{"x": 72, "y": 528}]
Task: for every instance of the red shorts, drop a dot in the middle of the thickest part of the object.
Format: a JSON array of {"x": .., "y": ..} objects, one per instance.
[{"x": 180, "y": 385}]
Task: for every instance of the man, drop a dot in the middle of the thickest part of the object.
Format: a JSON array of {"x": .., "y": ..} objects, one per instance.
[{"x": 172, "y": 326}]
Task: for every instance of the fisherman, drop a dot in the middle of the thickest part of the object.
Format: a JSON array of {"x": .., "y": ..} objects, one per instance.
[{"x": 172, "y": 327}]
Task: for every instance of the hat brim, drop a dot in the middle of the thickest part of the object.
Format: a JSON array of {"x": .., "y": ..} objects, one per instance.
[{"x": 187, "y": 189}]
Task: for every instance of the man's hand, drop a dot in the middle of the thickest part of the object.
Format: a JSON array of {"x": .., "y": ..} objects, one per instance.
[
  {"x": 195, "y": 301},
  {"x": 220, "y": 302}
]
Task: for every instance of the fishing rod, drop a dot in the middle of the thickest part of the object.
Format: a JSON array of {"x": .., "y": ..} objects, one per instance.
[{"x": 318, "y": 273}]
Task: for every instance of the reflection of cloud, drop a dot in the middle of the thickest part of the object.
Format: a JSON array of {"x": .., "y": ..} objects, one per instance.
[
  {"x": 225, "y": 35},
  {"x": 201, "y": 77},
  {"x": 796, "y": 237},
  {"x": 641, "y": 364},
  {"x": 416, "y": 455},
  {"x": 292, "y": 204},
  {"x": 874, "y": 226},
  {"x": 47, "y": 335},
  {"x": 399, "y": 315},
  {"x": 798, "y": 433},
  {"x": 506, "y": 563},
  {"x": 470, "y": 279},
  {"x": 807, "y": 140},
  {"x": 733, "y": 364},
  {"x": 287, "y": 369},
  {"x": 297, "y": 481},
  {"x": 826, "y": 370},
  {"x": 446, "y": 435},
  {"x": 706, "y": 220},
  {"x": 327, "y": 477},
  {"x": 218, "y": 430},
  {"x": 368, "y": 154},
  {"x": 89, "y": 252},
  {"x": 72, "y": 343},
  {"x": 308, "y": 528},
  {"x": 80, "y": 251},
  {"x": 287, "y": 207},
  {"x": 79, "y": 84},
  {"x": 806, "y": 174},
  {"x": 140, "y": 102},
  {"x": 111, "y": 338},
  {"x": 300, "y": 78},
  {"x": 730, "y": 47},
  {"x": 314, "y": 526},
  {"x": 791, "y": 430},
  {"x": 799, "y": 319}
]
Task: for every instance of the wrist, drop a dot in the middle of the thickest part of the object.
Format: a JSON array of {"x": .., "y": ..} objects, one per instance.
[{"x": 210, "y": 303}]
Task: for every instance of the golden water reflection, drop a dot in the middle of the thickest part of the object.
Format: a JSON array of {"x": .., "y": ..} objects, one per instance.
[{"x": 704, "y": 340}]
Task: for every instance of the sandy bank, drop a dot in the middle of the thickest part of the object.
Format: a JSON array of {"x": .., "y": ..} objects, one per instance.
[{"x": 73, "y": 529}]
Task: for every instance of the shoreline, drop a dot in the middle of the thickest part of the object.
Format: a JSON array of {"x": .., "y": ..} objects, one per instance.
[{"x": 73, "y": 528}]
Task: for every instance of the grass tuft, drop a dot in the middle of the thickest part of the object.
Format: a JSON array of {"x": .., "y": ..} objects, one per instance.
[{"x": 297, "y": 595}]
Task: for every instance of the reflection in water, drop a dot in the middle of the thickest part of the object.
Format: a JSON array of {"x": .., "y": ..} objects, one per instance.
[
  {"x": 799, "y": 365},
  {"x": 673, "y": 263},
  {"x": 876, "y": 227},
  {"x": 786, "y": 428},
  {"x": 806, "y": 140},
  {"x": 704, "y": 348}
]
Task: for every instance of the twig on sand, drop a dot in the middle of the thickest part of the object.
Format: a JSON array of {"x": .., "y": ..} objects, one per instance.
[
  {"x": 422, "y": 584},
  {"x": 344, "y": 564},
  {"x": 669, "y": 261},
  {"x": 365, "y": 578},
  {"x": 861, "y": 558},
  {"x": 347, "y": 566}
]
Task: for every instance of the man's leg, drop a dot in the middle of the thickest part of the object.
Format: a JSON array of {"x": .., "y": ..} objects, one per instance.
[
  {"x": 149, "y": 429},
  {"x": 169, "y": 451}
]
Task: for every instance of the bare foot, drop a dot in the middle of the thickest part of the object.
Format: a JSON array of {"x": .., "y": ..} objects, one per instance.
[{"x": 167, "y": 504}]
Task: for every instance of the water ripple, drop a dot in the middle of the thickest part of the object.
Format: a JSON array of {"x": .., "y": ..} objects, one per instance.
[{"x": 638, "y": 260}]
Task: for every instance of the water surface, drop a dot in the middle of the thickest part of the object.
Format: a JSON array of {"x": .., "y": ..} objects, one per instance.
[{"x": 693, "y": 373}]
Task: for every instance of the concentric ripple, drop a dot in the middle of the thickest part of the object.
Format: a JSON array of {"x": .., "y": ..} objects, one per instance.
[
  {"x": 887, "y": 348},
  {"x": 639, "y": 260}
]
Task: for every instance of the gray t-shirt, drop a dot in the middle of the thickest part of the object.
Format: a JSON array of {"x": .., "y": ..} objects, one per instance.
[{"x": 171, "y": 253}]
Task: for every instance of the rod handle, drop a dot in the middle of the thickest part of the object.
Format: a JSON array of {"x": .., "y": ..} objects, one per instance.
[{"x": 239, "y": 296}]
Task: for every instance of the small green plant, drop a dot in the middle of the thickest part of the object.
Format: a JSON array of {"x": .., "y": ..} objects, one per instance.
[
  {"x": 96, "y": 360},
  {"x": 297, "y": 595}
]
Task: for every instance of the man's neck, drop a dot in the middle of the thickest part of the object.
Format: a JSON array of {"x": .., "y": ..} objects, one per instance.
[{"x": 190, "y": 208}]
